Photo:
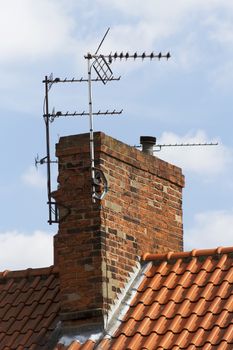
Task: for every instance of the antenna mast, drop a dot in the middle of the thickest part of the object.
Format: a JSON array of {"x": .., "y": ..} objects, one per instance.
[
  {"x": 104, "y": 72},
  {"x": 51, "y": 204},
  {"x": 101, "y": 64}
]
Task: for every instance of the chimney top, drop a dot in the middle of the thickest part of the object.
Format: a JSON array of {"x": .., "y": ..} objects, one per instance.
[{"x": 147, "y": 143}]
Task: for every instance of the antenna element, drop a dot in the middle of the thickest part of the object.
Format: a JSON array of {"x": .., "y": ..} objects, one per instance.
[{"x": 101, "y": 64}]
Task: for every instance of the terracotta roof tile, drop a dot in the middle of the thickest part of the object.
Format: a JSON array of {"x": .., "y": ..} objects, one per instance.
[
  {"x": 28, "y": 304},
  {"x": 186, "y": 302}
]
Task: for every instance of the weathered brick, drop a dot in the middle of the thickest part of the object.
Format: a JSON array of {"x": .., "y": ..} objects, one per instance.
[{"x": 98, "y": 244}]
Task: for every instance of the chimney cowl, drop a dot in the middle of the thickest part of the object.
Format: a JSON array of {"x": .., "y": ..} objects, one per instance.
[{"x": 147, "y": 143}]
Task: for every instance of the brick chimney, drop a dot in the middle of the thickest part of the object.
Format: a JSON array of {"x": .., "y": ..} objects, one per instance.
[{"x": 98, "y": 245}]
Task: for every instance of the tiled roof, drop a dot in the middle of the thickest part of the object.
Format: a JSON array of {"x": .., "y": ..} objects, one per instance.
[
  {"x": 185, "y": 301},
  {"x": 75, "y": 345},
  {"x": 29, "y": 305}
]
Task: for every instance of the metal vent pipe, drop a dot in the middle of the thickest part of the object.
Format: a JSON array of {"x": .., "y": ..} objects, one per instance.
[{"x": 148, "y": 143}]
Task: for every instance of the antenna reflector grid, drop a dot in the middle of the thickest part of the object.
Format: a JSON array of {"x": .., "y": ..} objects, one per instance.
[{"x": 102, "y": 69}]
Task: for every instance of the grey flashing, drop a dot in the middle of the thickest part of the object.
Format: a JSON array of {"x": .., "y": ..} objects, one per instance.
[
  {"x": 81, "y": 334},
  {"x": 125, "y": 302}
]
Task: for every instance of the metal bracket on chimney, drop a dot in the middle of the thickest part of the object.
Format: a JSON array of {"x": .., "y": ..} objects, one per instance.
[{"x": 100, "y": 180}]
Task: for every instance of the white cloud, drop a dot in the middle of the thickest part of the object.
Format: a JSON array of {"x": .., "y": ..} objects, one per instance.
[
  {"x": 157, "y": 19},
  {"x": 211, "y": 229},
  {"x": 220, "y": 26},
  {"x": 167, "y": 9},
  {"x": 142, "y": 23},
  {"x": 33, "y": 177},
  {"x": 19, "y": 250},
  {"x": 222, "y": 77},
  {"x": 48, "y": 27},
  {"x": 204, "y": 161},
  {"x": 30, "y": 29},
  {"x": 191, "y": 27}
]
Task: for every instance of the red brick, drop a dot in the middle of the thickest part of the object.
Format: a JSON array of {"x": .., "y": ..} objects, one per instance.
[{"x": 137, "y": 215}]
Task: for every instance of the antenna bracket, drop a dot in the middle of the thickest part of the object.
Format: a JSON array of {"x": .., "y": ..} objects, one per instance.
[{"x": 100, "y": 180}]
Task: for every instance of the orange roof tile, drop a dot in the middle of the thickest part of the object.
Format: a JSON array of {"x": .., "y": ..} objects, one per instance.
[
  {"x": 184, "y": 301},
  {"x": 29, "y": 305}
]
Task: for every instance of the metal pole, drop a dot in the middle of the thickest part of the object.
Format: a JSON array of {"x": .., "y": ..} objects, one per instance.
[
  {"x": 48, "y": 148},
  {"x": 92, "y": 152},
  {"x": 102, "y": 41}
]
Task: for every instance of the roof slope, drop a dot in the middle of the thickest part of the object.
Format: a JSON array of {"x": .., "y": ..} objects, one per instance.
[
  {"x": 185, "y": 301},
  {"x": 29, "y": 306}
]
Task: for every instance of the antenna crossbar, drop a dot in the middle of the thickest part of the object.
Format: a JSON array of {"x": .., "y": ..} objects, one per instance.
[
  {"x": 74, "y": 80},
  {"x": 43, "y": 160},
  {"x": 127, "y": 55},
  {"x": 187, "y": 144},
  {"x": 158, "y": 147},
  {"x": 58, "y": 114}
]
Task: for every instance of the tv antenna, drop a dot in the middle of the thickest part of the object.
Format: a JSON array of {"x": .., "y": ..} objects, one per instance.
[
  {"x": 159, "y": 147},
  {"x": 149, "y": 145},
  {"x": 100, "y": 63}
]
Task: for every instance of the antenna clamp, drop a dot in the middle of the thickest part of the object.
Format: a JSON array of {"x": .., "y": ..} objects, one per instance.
[{"x": 100, "y": 179}]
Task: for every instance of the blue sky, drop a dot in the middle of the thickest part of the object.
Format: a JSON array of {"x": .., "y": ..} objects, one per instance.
[{"x": 185, "y": 99}]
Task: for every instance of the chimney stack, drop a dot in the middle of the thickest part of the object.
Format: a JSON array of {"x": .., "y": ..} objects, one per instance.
[{"x": 98, "y": 245}]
